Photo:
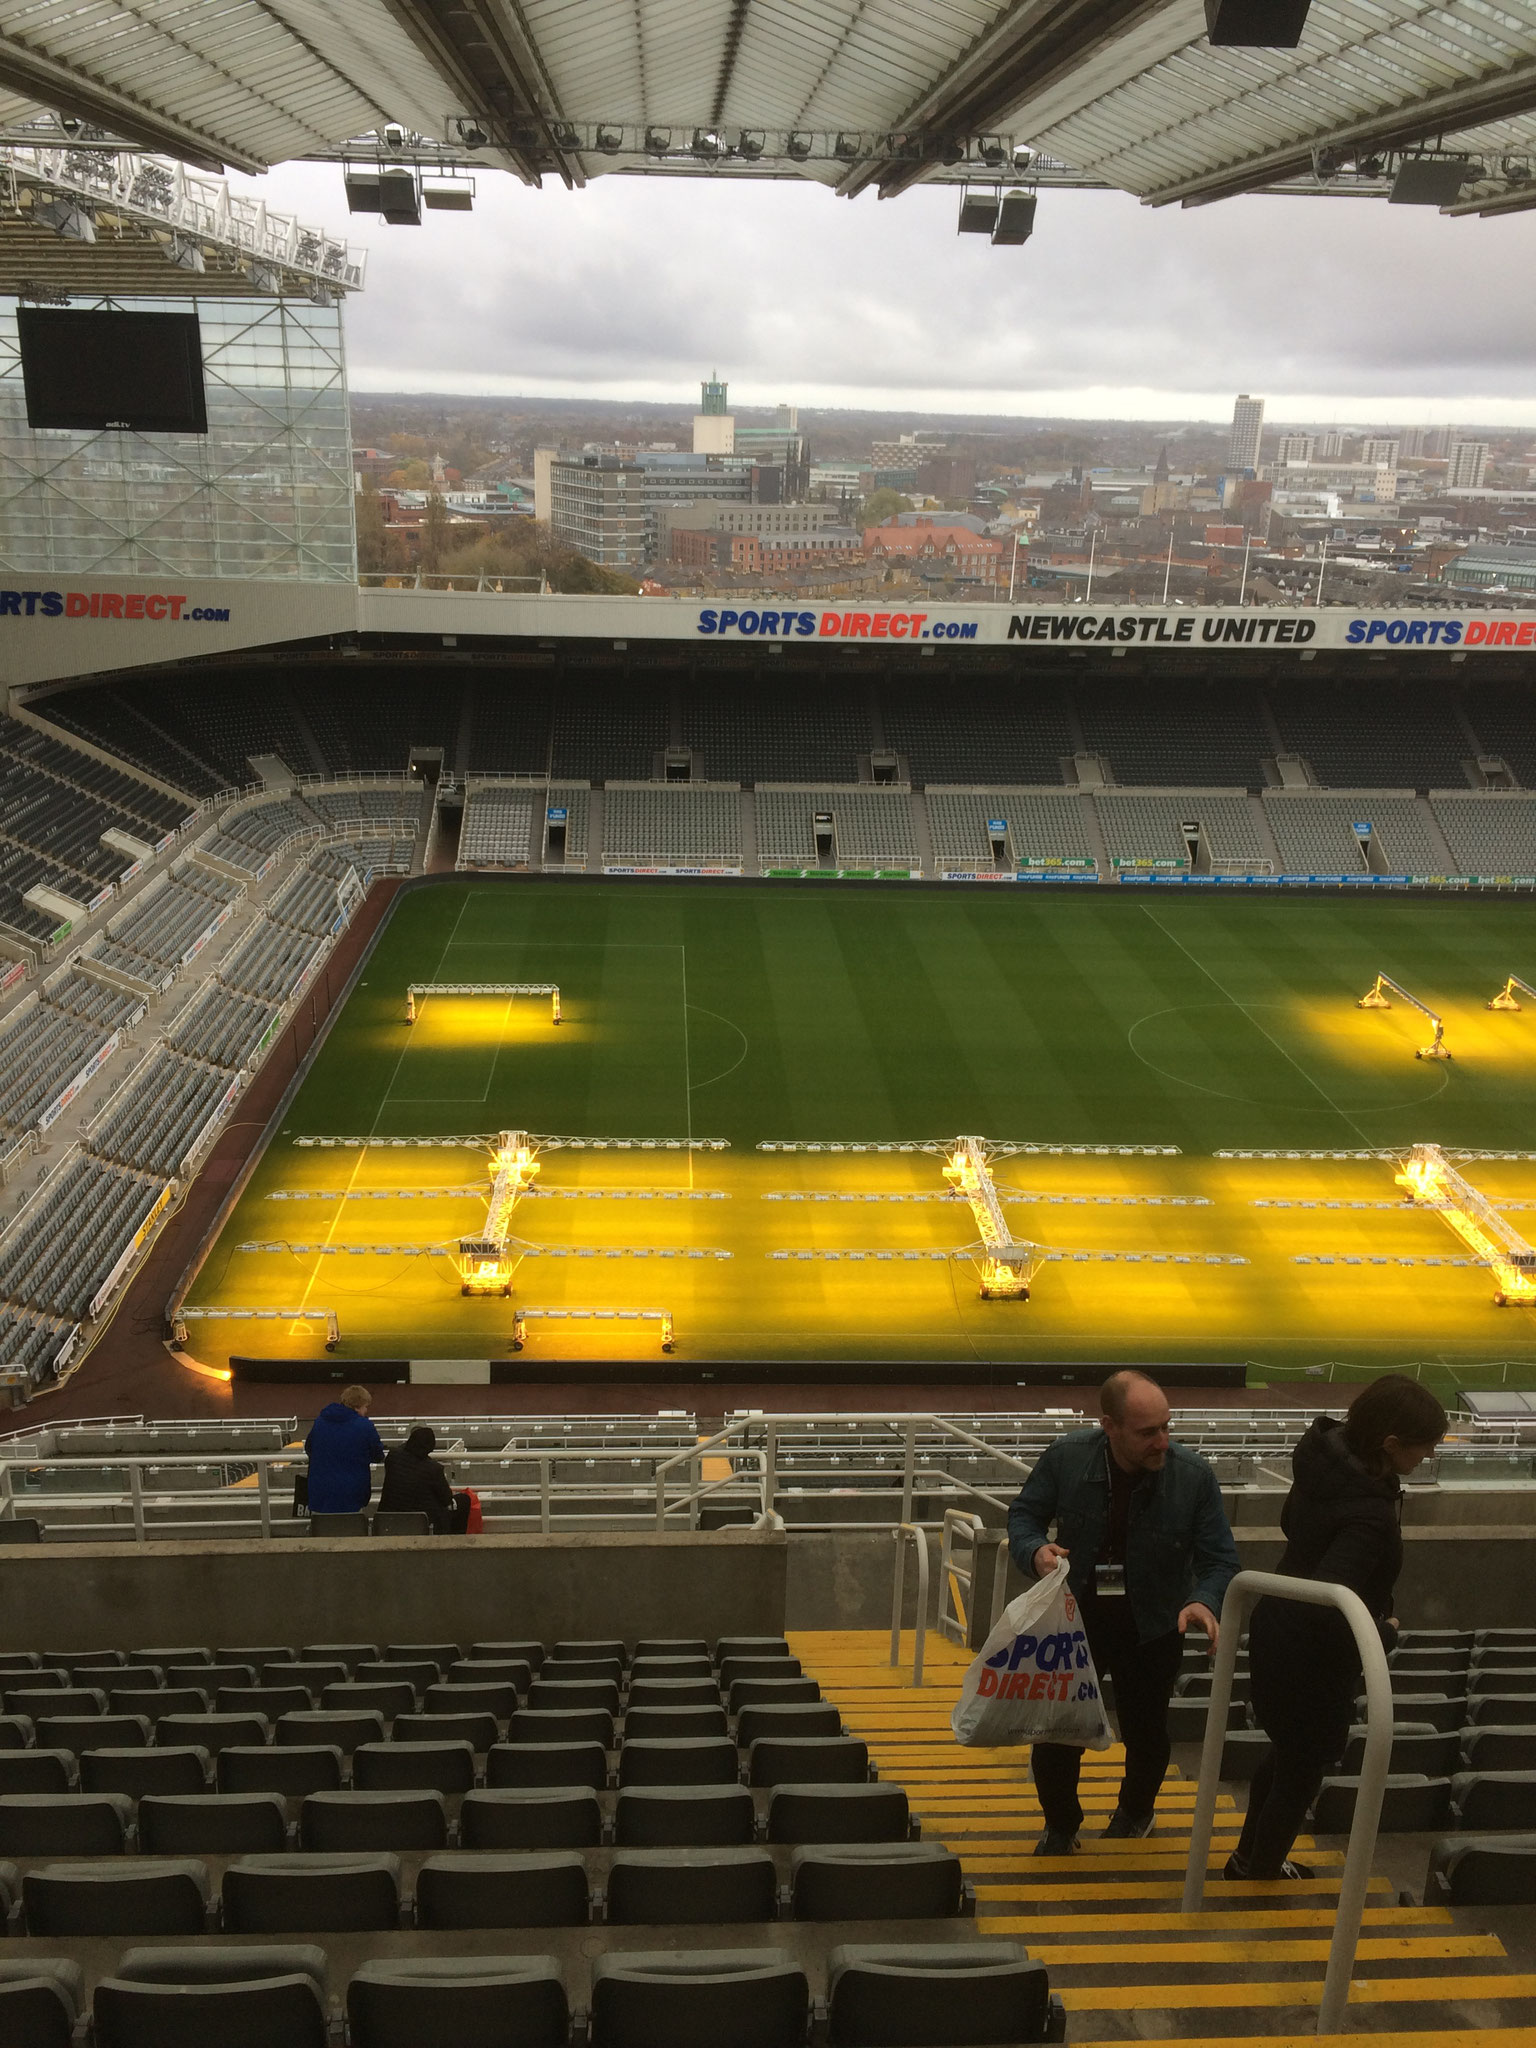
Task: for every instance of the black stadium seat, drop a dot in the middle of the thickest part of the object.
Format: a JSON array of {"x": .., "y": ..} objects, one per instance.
[
  {"x": 683, "y": 1817},
  {"x": 673, "y": 1692},
  {"x": 819, "y": 1717},
  {"x": 531, "y": 1889},
  {"x": 663, "y": 1887},
  {"x": 141, "y": 1771},
  {"x": 64, "y": 1823},
  {"x": 750, "y": 1998},
  {"x": 214, "y": 1732},
  {"x": 1482, "y": 1870},
  {"x": 662, "y": 1724},
  {"x": 876, "y": 1881},
  {"x": 1499, "y": 1749},
  {"x": 186, "y": 1998},
  {"x": 838, "y": 1813},
  {"x": 1410, "y": 1804},
  {"x": 606, "y": 1647},
  {"x": 439, "y": 1655},
  {"x": 212, "y": 1824},
  {"x": 486, "y": 1696},
  {"x": 1494, "y": 1799},
  {"x": 547, "y": 1763},
  {"x": 705, "y": 1760},
  {"x": 42, "y": 2000},
  {"x": 766, "y": 1692},
  {"x": 805, "y": 1760},
  {"x": 131, "y": 1895},
  {"x": 349, "y": 1655},
  {"x": 413, "y": 1767},
  {"x": 531, "y": 1817},
  {"x": 934, "y": 1995},
  {"x": 553, "y": 1694},
  {"x": 312, "y": 1894},
  {"x": 37, "y": 1770},
  {"x": 346, "y": 1822},
  {"x": 81, "y": 1732},
  {"x": 293, "y": 1771},
  {"x": 480, "y": 1731},
  {"x": 333, "y": 1729},
  {"x": 1502, "y": 1709},
  {"x": 671, "y": 1646},
  {"x": 751, "y": 1646},
  {"x": 471, "y": 2001}
]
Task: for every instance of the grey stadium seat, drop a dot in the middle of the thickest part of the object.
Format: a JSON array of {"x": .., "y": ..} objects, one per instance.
[
  {"x": 810, "y": 1717},
  {"x": 413, "y": 1767},
  {"x": 547, "y": 1763},
  {"x": 21, "y": 1529},
  {"x": 531, "y": 1817},
  {"x": 514, "y": 1671},
  {"x": 1507, "y": 1656},
  {"x": 530, "y": 1724},
  {"x": 751, "y": 1646},
  {"x": 838, "y": 1813},
  {"x": 190, "y": 1653},
  {"x": 672, "y": 1664},
  {"x": 348, "y": 1822},
  {"x": 213, "y": 1732},
  {"x": 338, "y": 1525},
  {"x": 877, "y": 1881},
  {"x": 312, "y": 1894},
  {"x": 37, "y": 1770},
  {"x": 562, "y": 1670},
  {"x": 552, "y": 1695},
  {"x": 186, "y": 1998},
  {"x": 210, "y": 1676},
  {"x": 130, "y": 1895},
  {"x": 475, "y": 1696},
  {"x": 313, "y": 1673},
  {"x": 15, "y": 1731},
  {"x": 42, "y": 1999},
  {"x": 1516, "y": 1683},
  {"x": 18, "y": 1660},
  {"x": 673, "y": 1692},
  {"x": 292, "y": 1771},
  {"x": 1413, "y": 1749},
  {"x": 212, "y": 1824},
  {"x": 472, "y": 2001},
  {"x": 708, "y": 1760},
  {"x": 1501, "y": 1710},
  {"x": 734, "y": 1667},
  {"x": 1434, "y": 1710},
  {"x": 64, "y": 1823},
  {"x": 672, "y": 1724},
  {"x": 898, "y": 1996},
  {"x": 1494, "y": 1799},
  {"x": 81, "y": 1732},
  {"x": 1482, "y": 1870},
  {"x": 806, "y": 1760},
  {"x": 257, "y": 1656},
  {"x": 684, "y": 1817},
  {"x": 480, "y": 1731},
  {"x": 355, "y": 1695},
  {"x": 73, "y": 1660},
  {"x": 532, "y": 1889},
  {"x": 1410, "y": 1804},
  {"x": 139, "y": 1771},
  {"x": 157, "y": 1703},
  {"x": 416, "y": 1672},
  {"x": 400, "y": 1522},
  {"x": 751, "y": 1998},
  {"x": 767, "y": 1692},
  {"x": 663, "y": 1887},
  {"x": 38, "y": 1700}
]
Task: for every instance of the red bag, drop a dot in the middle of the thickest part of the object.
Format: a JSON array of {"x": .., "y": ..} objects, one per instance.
[{"x": 475, "y": 1521}]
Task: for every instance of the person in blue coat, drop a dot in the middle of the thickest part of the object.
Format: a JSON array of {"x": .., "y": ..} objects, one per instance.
[
  {"x": 342, "y": 1445},
  {"x": 1150, "y": 1554}
]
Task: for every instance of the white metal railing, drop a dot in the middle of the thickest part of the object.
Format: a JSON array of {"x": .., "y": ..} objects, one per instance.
[
  {"x": 909, "y": 1532},
  {"x": 488, "y": 582},
  {"x": 1242, "y": 1593}
]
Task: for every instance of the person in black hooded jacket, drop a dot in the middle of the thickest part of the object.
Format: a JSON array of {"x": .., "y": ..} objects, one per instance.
[
  {"x": 414, "y": 1484},
  {"x": 1342, "y": 1526}
]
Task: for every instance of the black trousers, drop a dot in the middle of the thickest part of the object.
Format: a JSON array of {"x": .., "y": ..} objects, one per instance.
[
  {"x": 1304, "y": 1676},
  {"x": 1144, "y": 1674}
]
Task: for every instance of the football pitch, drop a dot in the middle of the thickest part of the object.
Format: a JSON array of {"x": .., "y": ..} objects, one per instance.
[{"x": 777, "y": 1012}]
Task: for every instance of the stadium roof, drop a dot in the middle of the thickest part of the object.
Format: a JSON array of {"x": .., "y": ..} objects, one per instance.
[{"x": 854, "y": 93}]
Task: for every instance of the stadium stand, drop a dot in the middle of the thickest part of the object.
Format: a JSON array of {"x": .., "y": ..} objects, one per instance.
[
  {"x": 45, "y": 1049},
  {"x": 759, "y": 730},
  {"x": 101, "y": 716},
  {"x": 1176, "y": 732},
  {"x": 66, "y": 1242},
  {"x": 1149, "y": 826},
  {"x": 1403, "y": 735},
  {"x": 370, "y": 723},
  {"x": 157, "y": 1117},
  {"x": 608, "y": 726},
  {"x": 870, "y": 827},
  {"x": 148, "y": 808},
  {"x": 980, "y": 730},
  {"x": 1042, "y": 826},
  {"x": 667, "y": 822},
  {"x": 1489, "y": 835},
  {"x": 1316, "y": 835},
  {"x": 269, "y": 961},
  {"x": 509, "y": 728},
  {"x": 392, "y": 813},
  {"x": 498, "y": 828},
  {"x": 222, "y": 1027},
  {"x": 167, "y": 926}
]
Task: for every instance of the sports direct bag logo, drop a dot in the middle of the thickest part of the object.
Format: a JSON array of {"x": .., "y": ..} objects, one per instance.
[
  {"x": 107, "y": 604},
  {"x": 1034, "y": 1680}
]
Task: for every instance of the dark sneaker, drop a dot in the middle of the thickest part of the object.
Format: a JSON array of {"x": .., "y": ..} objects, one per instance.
[
  {"x": 1236, "y": 1872},
  {"x": 1243, "y": 1875},
  {"x": 1126, "y": 1827},
  {"x": 1056, "y": 1842}
]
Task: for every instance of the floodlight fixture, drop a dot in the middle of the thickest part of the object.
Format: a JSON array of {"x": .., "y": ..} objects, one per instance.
[
  {"x": 952, "y": 152},
  {"x": 658, "y": 141},
  {"x": 751, "y": 143},
  {"x": 797, "y": 147},
  {"x": 609, "y": 140},
  {"x": 847, "y": 148},
  {"x": 1432, "y": 180},
  {"x": 1255, "y": 24},
  {"x": 394, "y": 135},
  {"x": 705, "y": 145},
  {"x": 993, "y": 151},
  {"x": 469, "y": 133},
  {"x": 566, "y": 137},
  {"x": 1023, "y": 156},
  {"x": 1369, "y": 166}
]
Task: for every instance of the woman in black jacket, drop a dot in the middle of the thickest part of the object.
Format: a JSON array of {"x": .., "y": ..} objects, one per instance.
[
  {"x": 1342, "y": 1525},
  {"x": 415, "y": 1485}
]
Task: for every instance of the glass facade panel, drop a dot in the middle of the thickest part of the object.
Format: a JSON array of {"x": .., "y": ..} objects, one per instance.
[{"x": 267, "y": 492}]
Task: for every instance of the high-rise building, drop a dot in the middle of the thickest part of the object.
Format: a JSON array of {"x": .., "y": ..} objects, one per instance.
[
  {"x": 1247, "y": 432},
  {"x": 1332, "y": 445},
  {"x": 1296, "y": 448},
  {"x": 714, "y": 430},
  {"x": 1413, "y": 441},
  {"x": 1383, "y": 452},
  {"x": 1465, "y": 463}
]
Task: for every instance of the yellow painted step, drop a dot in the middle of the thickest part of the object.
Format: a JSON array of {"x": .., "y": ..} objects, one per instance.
[
  {"x": 1154, "y": 1888},
  {"x": 1248, "y": 1954},
  {"x": 1466, "y": 2037},
  {"x": 1364, "y": 1991},
  {"x": 1256, "y": 1919}
]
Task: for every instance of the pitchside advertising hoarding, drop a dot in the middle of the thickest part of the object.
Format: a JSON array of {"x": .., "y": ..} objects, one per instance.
[{"x": 57, "y": 627}]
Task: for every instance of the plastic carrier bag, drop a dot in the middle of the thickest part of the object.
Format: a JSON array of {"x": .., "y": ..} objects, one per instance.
[{"x": 1034, "y": 1679}]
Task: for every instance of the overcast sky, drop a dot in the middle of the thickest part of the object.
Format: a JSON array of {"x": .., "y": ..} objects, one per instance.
[{"x": 1346, "y": 310}]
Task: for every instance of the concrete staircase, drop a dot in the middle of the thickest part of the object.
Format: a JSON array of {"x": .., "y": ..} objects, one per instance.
[{"x": 1127, "y": 1962}]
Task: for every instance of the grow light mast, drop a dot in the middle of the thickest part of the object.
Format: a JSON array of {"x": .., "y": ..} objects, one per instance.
[
  {"x": 1506, "y": 1000},
  {"x": 1375, "y": 998},
  {"x": 485, "y": 1264},
  {"x": 1006, "y": 1263},
  {"x": 1432, "y": 1181}
]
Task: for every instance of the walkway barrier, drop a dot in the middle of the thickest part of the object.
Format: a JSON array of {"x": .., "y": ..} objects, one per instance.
[
  {"x": 910, "y": 1532},
  {"x": 1244, "y": 1592}
]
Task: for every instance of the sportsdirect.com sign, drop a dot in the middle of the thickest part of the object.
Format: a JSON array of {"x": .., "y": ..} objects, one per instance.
[{"x": 151, "y": 606}]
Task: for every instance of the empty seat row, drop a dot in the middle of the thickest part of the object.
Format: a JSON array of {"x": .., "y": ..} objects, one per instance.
[
  {"x": 877, "y": 1996},
  {"x": 247, "y": 1812}
]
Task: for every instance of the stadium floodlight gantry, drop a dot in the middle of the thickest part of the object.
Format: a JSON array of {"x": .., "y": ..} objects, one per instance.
[
  {"x": 423, "y": 989},
  {"x": 1506, "y": 1000},
  {"x": 1423, "y": 103},
  {"x": 1377, "y": 998},
  {"x": 1434, "y": 1183}
]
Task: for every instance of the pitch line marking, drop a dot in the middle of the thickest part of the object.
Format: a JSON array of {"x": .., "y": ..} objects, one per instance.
[
  {"x": 1442, "y": 1078},
  {"x": 1173, "y": 939},
  {"x": 746, "y": 1046}
]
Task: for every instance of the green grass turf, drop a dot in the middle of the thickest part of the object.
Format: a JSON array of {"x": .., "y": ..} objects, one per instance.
[{"x": 781, "y": 1011}]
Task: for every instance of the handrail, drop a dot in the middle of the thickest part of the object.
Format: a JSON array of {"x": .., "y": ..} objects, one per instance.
[
  {"x": 953, "y": 1625},
  {"x": 919, "y": 1537},
  {"x": 1244, "y": 1591}
]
